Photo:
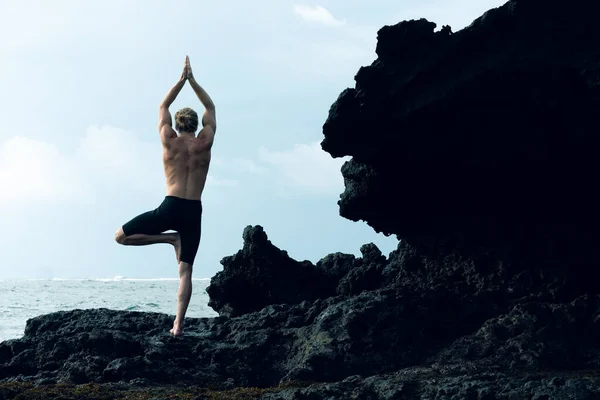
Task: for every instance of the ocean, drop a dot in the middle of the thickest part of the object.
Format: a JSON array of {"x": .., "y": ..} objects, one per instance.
[{"x": 21, "y": 299}]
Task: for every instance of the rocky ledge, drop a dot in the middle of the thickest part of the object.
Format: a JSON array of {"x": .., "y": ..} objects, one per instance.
[
  {"x": 477, "y": 150},
  {"x": 405, "y": 326}
]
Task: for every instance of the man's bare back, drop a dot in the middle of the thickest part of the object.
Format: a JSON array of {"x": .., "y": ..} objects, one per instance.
[{"x": 186, "y": 159}]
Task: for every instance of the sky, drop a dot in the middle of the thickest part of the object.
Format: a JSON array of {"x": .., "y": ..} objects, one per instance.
[{"x": 80, "y": 86}]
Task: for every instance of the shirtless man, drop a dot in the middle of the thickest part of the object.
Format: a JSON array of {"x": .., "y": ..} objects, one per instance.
[{"x": 186, "y": 158}]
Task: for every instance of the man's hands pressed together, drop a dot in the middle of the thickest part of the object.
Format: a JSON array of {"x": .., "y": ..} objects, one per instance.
[{"x": 187, "y": 69}]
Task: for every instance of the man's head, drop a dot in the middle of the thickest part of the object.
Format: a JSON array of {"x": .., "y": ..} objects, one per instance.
[{"x": 186, "y": 120}]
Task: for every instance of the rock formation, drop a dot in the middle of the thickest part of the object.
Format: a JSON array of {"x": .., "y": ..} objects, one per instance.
[
  {"x": 478, "y": 150},
  {"x": 478, "y": 139}
]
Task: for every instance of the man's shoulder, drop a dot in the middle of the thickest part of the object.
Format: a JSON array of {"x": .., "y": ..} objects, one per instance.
[{"x": 167, "y": 132}]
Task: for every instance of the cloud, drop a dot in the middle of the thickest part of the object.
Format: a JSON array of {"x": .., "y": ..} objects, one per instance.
[
  {"x": 248, "y": 166},
  {"x": 31, "y": 170},
  {"x": 239, "y": 165},
  {"x": 113, "y": 158},
  {"x": 312, "y": 56},
  {"x": 305, "y": 168},
  {"x": 212, "y": 182},
  {"x": 317, "y": 14},
  {"x": 107, "y": 160}
]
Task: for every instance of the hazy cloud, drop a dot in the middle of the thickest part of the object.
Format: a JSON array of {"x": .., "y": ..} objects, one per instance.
[
  {"x": 314, "y": 54},
  {"x": 107, "y": 159},
  {"x": 306, "y": 168},
  {"x": 114, "y": 158},
  {"x": 212, "y": 181},
  {"x": 239, "y": 165},
  {"x": 317, "y": 14},
  {"x": 32, "y": 170}
]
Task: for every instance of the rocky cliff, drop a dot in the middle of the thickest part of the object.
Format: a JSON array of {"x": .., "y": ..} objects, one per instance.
[
  {"x": 478, "y": 150},
  {"x": 481, "y": 139}
]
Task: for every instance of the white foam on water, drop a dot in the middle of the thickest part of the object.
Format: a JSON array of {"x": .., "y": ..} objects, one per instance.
[
  {"x": 154, "y": 279},
  {"x": 65, "y": 279},
  {"x": 117, "y": 278}
]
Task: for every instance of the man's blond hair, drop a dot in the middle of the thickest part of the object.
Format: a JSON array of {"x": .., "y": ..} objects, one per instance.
[{"x": 186, "y": 120}]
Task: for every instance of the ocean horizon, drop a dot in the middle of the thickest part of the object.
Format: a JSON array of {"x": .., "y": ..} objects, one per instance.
[{"x": 25, "y": 298}]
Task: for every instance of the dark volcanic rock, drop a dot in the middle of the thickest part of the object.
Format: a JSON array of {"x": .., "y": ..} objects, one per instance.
[
  {"x": 424, "y": 383},
  {"x": 482, "y": 140},
  {"x": 366, "y": 274},
  {"x": 261, "y": 274},
  {"x": 470, "y": 317},
  {"x": 536, "y": 335}
]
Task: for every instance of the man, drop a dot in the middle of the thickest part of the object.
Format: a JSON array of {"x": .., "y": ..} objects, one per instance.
[{"x": 186, "y": 158}]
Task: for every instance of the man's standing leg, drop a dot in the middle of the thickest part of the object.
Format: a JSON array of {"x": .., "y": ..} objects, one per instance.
[
  {"x": 184, "y": 295},
  {"x": 190, "y": 241}
]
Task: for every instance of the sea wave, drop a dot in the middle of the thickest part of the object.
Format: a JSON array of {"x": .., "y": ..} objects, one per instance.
[
  {"x": 162, "y": 279},
  {"x": 60, "y": 279},
  {"x": 117, "y": 278}
]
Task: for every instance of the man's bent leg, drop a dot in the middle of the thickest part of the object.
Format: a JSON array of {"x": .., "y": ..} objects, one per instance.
[
  {"x": 142, "y": 239},
  {"x": 146, "y": 229}
]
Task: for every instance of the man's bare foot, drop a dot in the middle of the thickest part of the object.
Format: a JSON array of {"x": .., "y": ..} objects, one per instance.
[
  {"x": 176, "y": 332},
  {"x": 177, "y": 246},
  {"x": 177, "y": 329}
]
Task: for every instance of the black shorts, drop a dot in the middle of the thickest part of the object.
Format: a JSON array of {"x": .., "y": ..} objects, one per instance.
[{"x": 174, "y": 213}]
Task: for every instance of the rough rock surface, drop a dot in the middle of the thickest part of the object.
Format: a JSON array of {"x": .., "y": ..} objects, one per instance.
[
  {"x": 479, "y": 139},
  {"x": 421, "y": 383},
  {"x": 474, "y": 328},
  {"x": 261, "y": 274},
  {"x": 477, "y": 149}
]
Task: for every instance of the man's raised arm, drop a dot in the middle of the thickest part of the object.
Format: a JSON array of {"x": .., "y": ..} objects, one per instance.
[
  {"x": 164, "y": 116},
  {"x": 209, "y": 117}
]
